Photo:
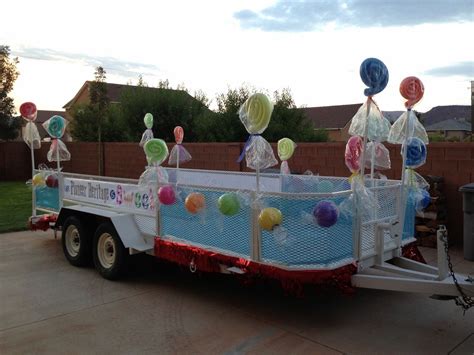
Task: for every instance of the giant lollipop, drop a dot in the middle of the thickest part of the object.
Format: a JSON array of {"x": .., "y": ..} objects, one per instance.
[
  {"x": 148, "y": 134},
  {"x": 255, "y": 115},
  {"x": 31, "y": 136},
  {"x": 408, "y": 125},
  {"x": 56, "y": 126},
  {"x": 369, "y": 122},
  {"x": 179, "y": 154},
  {"x": 409, "y": 132},
  {"x": 286, "y": 148}
]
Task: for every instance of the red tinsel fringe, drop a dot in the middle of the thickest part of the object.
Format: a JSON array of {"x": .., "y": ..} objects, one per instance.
[
  {"x": 41, "y": 222},
  {"x": 411, "y": 251},
  {"x": 291, "y": 281}
]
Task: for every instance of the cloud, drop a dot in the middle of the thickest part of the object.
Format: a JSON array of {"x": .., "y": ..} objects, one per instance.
[
  {"x": 465, "y": 69},
  {"x": 110, "y": 64},
  {"x": 308, "y": 15}
]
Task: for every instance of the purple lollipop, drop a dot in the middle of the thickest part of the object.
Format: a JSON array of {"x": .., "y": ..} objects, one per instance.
[{"x": 326, "y": 213}]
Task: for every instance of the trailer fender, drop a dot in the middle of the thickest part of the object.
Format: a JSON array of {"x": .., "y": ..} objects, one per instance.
[{"x": 124, "y": 224}]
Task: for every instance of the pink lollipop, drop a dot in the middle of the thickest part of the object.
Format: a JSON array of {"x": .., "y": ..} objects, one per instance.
[
  {"x": 178, "y": 134},
  {"x": 353, "y": 153},
  {"x": 412, "y": 89},
  {"x": 28, "y": 111}
]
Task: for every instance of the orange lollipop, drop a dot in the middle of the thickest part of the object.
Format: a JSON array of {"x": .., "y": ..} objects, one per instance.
[
  {"x": 178, "y": 134},
  {"x": 411, "y": 89},
  {"x": 195, "y": 202}
]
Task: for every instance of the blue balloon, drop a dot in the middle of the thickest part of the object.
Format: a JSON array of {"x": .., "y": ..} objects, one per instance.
[{"x": 374, "y": 74}]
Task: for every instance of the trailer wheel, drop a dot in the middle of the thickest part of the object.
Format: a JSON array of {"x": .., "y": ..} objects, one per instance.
[
  {"x": 75, "y": 242},
  {"x": 110, "y": 256}
]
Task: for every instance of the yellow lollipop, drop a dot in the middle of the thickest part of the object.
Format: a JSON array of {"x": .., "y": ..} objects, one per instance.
[
  {"x": 255, "y": 113},
  {"x": 286, "y": 148}
]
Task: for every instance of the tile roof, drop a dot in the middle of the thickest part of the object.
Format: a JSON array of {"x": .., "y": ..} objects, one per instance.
[
  {"x": 331, "y": 117},
  {"x": 450, "y": 125}
]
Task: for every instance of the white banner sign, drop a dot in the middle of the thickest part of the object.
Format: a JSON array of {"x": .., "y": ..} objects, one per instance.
[{"x": 126, "y": 197}]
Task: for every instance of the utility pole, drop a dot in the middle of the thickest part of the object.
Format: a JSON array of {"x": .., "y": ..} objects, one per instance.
[{"x": 472, "y": 109}]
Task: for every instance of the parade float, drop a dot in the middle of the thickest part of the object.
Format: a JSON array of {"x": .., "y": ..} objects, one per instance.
[{"x": 347, "y": 232}]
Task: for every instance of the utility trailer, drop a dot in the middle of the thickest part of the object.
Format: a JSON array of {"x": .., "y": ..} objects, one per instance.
[{"x": 107, "y": 219}]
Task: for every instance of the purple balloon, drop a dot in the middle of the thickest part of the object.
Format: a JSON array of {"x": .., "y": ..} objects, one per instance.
[{"x": 326, "y": 213}]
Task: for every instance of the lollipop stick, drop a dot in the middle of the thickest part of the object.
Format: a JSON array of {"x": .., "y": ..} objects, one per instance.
[
  {"x": 58, "y": 166},
  {"x": 372, "y": 165},
  {"x": 33, "y": 195},
  {"x": 403, "y": 196},
  {"x": 177, "y": 166},
  {"x": 366, "y": 129}
]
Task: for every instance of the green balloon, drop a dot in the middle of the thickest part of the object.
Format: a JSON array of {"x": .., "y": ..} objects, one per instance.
[
  {"x": 228, "y": 204},
  {"x": 148, "y": 119}
]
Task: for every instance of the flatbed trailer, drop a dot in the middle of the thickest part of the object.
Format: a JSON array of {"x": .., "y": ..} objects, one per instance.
[{"x": 106, "y": 219}]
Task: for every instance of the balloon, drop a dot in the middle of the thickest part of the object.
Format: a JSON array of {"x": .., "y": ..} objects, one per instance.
[
  {"x": 28, "y": 111},
  {"x": 148, "y": 120},
  {"x": 195, "y": 202},
  {"x": 228, "y": 204},
  {"x": 156, "y": 151},
  {"x": 38, "y": 180},
  {"x": 381, "y": 156},
  {"x": 178, "y": 134},
  {"x": 286, "y": 148},
  {"x": 55, "y": 126},
  {"x": 412, "y": 89},
  {"x": 353, "y": 153},
  {"x": 374, "y": 74},
  {"x": 255, "y": 113},
  {"x": 269, "y": 218},
  {"x": 326, "y": 213},
  {"x": 166, "y": 195},
  {"x": 416, "y": 152},
  {"x": 52, "y": 181}
]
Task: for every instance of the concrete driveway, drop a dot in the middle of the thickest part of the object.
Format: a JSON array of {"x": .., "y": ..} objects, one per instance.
[{"x": 50, "y": 307}]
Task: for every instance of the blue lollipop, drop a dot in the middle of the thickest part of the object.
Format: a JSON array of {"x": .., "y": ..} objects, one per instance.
[{"x": 374, "y": 74}]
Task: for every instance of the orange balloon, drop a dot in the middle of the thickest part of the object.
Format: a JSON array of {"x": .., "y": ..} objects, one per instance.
[
  {"x": 412, "y": 89},
  {"x": 195, "y": 202}
]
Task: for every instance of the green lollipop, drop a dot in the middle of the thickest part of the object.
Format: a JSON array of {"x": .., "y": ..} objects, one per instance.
[
  {"x": 228, "y": 204},
  {"x": 255, "y": 113},
  {"x": 148, "y": 119},
  {"x": 286, "y": 148},
  {"x": 156, "y": 151}
]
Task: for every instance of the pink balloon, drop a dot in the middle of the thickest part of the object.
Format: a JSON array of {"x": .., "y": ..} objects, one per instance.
[
  {"x": 166, "y": 195},
  {"x": 178, "y": 134}
]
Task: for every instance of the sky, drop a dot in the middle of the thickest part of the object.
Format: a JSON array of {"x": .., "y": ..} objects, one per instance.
[{"x": 312, "y": 47}]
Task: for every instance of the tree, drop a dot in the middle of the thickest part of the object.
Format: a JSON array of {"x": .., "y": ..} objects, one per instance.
[
  {"x": 169, "y": 108},
  {"x": 225, "y": 126},
  {"x": 9, "y": 125}
]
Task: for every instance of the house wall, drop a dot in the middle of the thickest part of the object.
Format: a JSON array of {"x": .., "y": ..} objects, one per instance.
[{"x": 453, "y": 161}]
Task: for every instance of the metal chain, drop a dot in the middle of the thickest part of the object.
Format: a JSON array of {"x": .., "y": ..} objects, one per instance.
[{"x": 464, "y": 301}]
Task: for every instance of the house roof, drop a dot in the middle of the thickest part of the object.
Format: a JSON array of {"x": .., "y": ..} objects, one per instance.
[
  {"x": 444, "y": 113},
  {"x": 113, "y": 92},
  {"x": 452, "y": 124},
  {"x": 44, "y": 115},
  {"x": 331, "y": 117}
]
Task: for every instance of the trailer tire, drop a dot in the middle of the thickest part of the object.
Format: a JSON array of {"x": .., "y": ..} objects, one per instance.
[
  {"x": 75, "y": 242},
  {"x": 109, "y": 254}
]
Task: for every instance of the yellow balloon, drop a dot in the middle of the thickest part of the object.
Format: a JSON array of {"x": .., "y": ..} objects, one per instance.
[
  {"x": 38, "y": 180},
  {"x": 269, "y": 218}
]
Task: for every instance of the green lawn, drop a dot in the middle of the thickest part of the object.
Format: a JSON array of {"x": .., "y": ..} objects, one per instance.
[{"x": 15, "y": 206}]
